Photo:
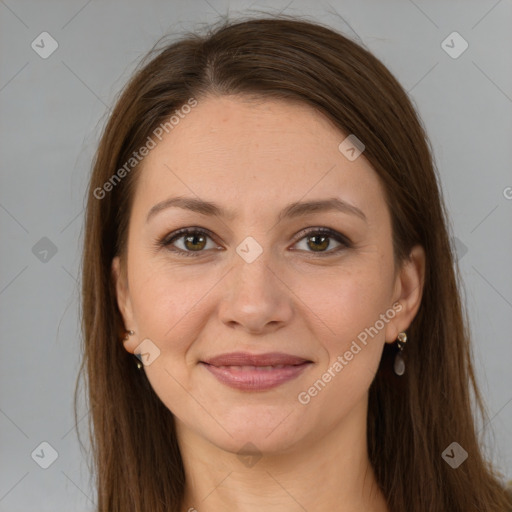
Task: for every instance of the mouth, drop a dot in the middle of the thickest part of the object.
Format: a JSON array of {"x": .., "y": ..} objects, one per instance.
[
  {"x": 271, "y": 359},
  {"x": 251, "y": 372}
]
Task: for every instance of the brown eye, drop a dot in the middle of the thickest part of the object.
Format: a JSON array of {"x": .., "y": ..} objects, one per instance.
[
  {"x": 191, "y": 241},
  {"x": 195, "y": 242},
  {"x": 318, "y": 240}
]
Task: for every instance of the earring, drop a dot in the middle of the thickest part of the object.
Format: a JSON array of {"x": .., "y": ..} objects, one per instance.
[
  {"x": 138, "y": 362},
  {"x": 128, "y": 334},
  {"x": 399, "y": 364}
]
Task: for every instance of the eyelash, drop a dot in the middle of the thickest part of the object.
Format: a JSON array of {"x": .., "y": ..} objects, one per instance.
[{"x": 169, "y": 239}]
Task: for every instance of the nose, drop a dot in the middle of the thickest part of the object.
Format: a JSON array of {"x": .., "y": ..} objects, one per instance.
[{"x": 256, "y": 297}]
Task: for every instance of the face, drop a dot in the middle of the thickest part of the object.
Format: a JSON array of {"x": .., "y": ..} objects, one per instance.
[{"x": 316, "y": 285}]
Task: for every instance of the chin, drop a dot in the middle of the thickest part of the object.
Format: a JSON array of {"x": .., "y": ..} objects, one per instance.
[
  {"x": 269, "y": 430},
  {"x": 248, "y": 442}
]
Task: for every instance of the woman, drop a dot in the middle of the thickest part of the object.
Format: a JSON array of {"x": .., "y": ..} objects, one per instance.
[{"x": 271, "y": 306}]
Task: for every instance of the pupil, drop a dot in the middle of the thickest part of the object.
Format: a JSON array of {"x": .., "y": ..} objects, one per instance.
[
  {"x": 324, "y": 238},
  {"x": 193, "y": 238}
]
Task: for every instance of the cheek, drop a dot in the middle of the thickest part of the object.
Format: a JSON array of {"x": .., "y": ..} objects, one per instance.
[
  {"x": 353, "y": 348},
  {"x": 167, "y": 305},
  {"x": 357, "y": 310},
  {"x": 164, "y": 300},
  {"x": 353, "y": 299}
]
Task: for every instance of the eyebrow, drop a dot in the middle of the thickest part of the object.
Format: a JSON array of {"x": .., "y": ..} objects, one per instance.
[{"x": 293, "y": 210}]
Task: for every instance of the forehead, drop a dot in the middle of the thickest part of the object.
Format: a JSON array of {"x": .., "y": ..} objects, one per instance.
[
  {"x": 242, "y": 152},
  {"x": 227, "y": 127}
]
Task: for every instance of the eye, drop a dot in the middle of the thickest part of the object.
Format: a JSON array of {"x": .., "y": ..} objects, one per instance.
[
  {"x": 195, "y": 241},
  {"x": 318, "y": 239}
]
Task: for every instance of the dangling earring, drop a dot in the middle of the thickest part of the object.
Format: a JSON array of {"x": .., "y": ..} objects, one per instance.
[
  {"x": 399, "y": 364},
  {"x": 127, "y": 336}
]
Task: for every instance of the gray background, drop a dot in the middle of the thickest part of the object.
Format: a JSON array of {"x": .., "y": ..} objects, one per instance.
[{"x": 52, "y": 111}]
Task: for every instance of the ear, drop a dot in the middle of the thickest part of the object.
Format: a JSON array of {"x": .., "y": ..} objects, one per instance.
[
  {"x": 124, "y": 304},
  {"x": 408, "y": 292}
]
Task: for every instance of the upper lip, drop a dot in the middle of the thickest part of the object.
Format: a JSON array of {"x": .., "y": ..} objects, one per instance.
[{"x": 246, "y": 359}]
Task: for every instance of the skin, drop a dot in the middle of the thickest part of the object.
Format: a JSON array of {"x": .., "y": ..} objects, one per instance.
[{"x": 256, "y": 157}]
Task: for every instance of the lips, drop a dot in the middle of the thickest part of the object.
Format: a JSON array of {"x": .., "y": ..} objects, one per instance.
[
  {"x": 251, "y": 372},
  {"x": 245, "y": 359}
]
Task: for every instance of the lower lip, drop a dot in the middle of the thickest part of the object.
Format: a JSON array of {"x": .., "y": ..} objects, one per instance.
[{"x": 255, "y": 380}]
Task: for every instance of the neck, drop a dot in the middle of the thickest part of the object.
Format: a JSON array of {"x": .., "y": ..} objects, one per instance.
[{"x": 328, "y": 473}]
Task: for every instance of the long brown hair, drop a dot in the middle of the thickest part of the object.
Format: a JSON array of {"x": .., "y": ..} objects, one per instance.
[{"x": 411, "y": 419}]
